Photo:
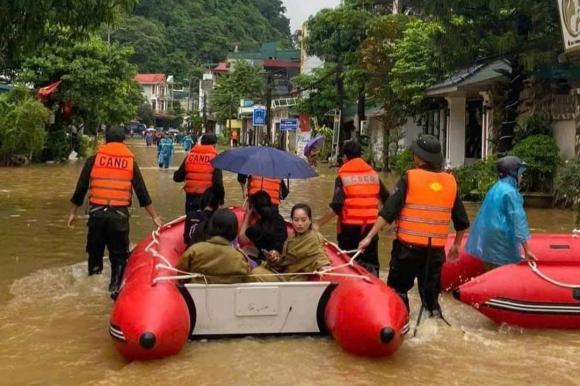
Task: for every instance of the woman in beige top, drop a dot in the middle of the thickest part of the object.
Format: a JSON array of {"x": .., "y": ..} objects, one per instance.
[{"x": 303, "y": 251}]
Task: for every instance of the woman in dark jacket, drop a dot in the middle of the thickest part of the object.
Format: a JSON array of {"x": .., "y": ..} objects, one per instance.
[{"x": 269, "y": 232}]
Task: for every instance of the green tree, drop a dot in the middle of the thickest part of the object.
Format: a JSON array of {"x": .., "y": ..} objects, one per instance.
[
  {"x": 335, "y": 36},
  {"x": 96, "y": 77},
  {"x": 416, "y": 65},
  {"x": 384, "y": 34},
  {"x": 148, "y": 39},
  {"x": 319, "y": 97},
  {"x": 22, "y": 125},
  {"x": 524, "y": 32},
  {"x": 145, "y": 114},
  {"x": 25, "y": 27},
  {"x": 243, "y": 81}
]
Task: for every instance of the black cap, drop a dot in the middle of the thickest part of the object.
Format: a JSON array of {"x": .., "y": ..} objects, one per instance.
[
  {"x": 209, "y": 139},
  {"x": 428, "y": 148},
  {"x": 115, "y": 134}
]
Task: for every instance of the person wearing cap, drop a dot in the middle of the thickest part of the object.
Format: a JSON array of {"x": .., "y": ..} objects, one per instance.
[
  {"x": 358, "y": 195},
  {"x": 500, "y": 231},
  {"x": 110, "y": 177},
  {"x": 423, "y": 204},
  {"x": 199, "y": 174}
]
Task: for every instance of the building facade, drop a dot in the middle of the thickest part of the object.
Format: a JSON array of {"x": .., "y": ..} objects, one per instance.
[{"x": 156, "y": 90}]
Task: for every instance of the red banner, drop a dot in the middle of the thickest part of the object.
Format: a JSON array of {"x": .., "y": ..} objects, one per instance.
[{"x": 304, "y": 122}]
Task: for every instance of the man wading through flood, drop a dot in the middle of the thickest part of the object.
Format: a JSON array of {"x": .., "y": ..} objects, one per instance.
[
  {"x": 425, "y": 201},
  {"x": 358, "y": 195},
  {"x": 110, "y": 176}
]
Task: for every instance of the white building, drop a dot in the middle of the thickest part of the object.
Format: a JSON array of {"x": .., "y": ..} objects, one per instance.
[{"x": 156, "y": 90}]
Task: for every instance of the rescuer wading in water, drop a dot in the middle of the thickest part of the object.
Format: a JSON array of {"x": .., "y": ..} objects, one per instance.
[
  {"x": 425, "y": 201},
  {"x": 110, "y": 176}
]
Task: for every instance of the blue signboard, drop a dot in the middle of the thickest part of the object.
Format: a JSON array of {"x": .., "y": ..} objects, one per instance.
[
  {"x": 259, "y": 116},
  {"x": 289, "y": 124}
]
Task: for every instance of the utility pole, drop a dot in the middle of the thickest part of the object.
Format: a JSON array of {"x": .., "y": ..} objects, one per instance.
[
  {"x": 269, "y": 82},
  {"x": 204, "y": 110}
]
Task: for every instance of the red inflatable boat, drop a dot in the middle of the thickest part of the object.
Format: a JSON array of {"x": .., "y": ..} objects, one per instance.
[
  {"x": 155, "y": 315},
  {"x": 544, "y": 294},
  {"x": 546, "y": 246}
]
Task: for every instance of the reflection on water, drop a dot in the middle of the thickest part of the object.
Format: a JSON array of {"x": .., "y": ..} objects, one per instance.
[{"x": 54, "y": 319}]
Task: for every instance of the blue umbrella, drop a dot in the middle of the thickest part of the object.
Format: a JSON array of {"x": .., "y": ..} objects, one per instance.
[{"x": 261, "y": 161}]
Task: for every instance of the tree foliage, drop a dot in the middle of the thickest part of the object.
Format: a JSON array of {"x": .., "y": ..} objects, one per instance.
[
  {"x": 416, "y": 65},
  {"x": 22, "y": 124},
  {"x": 243, "y": 81},
  {"x": 96, "y": 77},
  {"x": 335, "y": 34},
  {"x": 179, "y": 36},
  {"x": 25, "y": 26},
  {"x": 526, "y": 29}
]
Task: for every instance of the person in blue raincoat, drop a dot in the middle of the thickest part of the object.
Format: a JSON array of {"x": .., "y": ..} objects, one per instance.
[
  {"x": 187, "y": 142},
  {"x": 165, "y": 151},
  {"x": 501, "y": 231}
]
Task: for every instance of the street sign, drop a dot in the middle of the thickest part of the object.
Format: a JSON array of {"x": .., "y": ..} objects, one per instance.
[
  {"x": 288, "y": 124},
  {"x": 259, "y": 116}
]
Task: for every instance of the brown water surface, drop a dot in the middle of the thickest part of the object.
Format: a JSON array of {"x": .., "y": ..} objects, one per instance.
[{"x": 54, "y": 319}]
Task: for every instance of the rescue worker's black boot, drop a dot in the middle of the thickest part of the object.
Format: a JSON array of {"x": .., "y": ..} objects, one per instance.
[
  {"x": 436, "y": 312},
  {"x": 95, "y": 264},
  {"x": 117, "y": 270}
]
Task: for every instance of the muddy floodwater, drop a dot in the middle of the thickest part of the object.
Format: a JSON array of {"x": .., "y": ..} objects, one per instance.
[{"x": 54, "y": 319}]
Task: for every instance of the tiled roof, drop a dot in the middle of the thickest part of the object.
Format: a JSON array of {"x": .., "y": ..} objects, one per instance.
[
  {"x": 150, "y": 78},
  {"x": 476, "y": 74},
  {"x": 222, "y": 67}
]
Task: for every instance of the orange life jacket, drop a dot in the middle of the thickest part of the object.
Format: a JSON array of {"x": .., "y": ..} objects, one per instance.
[
  {"x": 111, "y": 181},
  {"x": 198, "y": 169},
  {"x": 427, "y": 211},
  {"x": 269, "y": 185},
  {"x": 361, "y": 186}
]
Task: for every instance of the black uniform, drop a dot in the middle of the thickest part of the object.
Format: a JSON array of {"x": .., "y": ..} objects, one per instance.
[
  {"x": 108, "y": 225},
  {"x": 349, "y": 236},
  {"x": 409, "y": 261},
  {"x": 193, "y": 201}
]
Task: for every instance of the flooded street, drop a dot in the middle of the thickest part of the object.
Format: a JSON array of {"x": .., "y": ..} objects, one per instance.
[{"x": 54, "y": 319}]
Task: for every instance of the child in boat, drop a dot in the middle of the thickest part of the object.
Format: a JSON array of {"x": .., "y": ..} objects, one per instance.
[
  {"x": 216, "y": 258},
  {"x": 303, "y": 251}
]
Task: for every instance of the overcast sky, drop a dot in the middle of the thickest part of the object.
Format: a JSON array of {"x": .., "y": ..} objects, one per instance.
[{"x": 298, "y": 11}]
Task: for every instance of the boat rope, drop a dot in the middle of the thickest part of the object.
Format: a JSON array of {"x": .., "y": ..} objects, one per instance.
[
  {"x": 349, "y": 264},
  {"x": 151, "y": 248},
  {"x": 188, "y": 275},
  {"x": 534, "y": 267}
]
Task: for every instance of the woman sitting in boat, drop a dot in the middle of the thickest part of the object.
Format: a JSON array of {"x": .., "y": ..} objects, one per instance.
[
  {"x": 303, "y": 251},
  {"x": 501, "y": 226},
  {"x": 216, "y": 258},
  {"x": 269, "y": 232}
]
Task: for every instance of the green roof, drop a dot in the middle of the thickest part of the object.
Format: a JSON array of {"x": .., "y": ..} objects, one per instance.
[{"x": 267, "y": 51}]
